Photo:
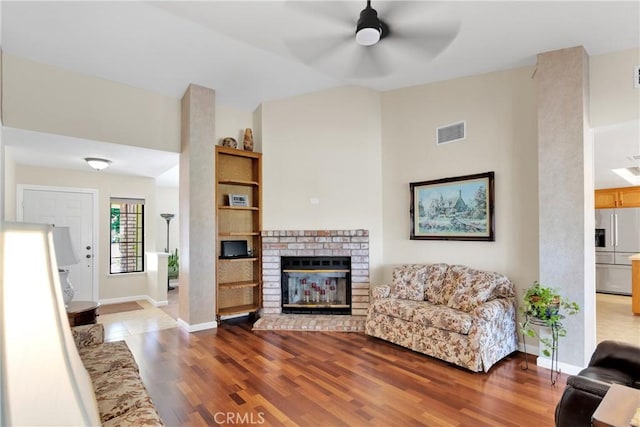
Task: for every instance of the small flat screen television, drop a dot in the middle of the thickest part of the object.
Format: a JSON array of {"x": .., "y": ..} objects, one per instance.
[{"x": 234, "y": 249}]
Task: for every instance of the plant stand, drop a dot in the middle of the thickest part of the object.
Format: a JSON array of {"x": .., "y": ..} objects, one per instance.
[{"x": 555, "y": 327}]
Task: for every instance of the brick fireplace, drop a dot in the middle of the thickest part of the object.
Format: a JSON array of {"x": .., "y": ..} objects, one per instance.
[{"x": 309, "y": 243}]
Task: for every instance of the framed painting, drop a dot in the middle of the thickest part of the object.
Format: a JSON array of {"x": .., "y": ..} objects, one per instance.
[{"x": 459, "y": 208}]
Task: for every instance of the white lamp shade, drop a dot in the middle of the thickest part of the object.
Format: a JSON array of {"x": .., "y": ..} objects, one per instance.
[
  {"x": 43, "y": 381},
  {"x": 65, "y": 255}
]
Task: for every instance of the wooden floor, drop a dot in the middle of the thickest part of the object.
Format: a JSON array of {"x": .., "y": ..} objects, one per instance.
[{"x": 234, "y": 376}]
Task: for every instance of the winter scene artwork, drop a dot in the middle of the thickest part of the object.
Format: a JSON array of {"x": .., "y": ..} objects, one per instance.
[{"x": 458, "y": 208}]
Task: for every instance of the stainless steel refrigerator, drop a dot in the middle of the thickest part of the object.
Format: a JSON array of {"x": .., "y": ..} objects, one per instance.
[{"x": 617, "y": 238}]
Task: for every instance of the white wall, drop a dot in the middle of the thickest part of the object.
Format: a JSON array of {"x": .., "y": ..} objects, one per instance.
[
  {"x": 324, "y": 146},
  {"x": 500, "y": 114},
  {"x": 108, "y": 185}
]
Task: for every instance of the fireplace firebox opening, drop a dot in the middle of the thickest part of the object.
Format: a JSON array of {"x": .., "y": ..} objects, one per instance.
[{"x": 316, "y": 285}]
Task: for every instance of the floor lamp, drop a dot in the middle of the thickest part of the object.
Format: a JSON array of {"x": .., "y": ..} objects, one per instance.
[{"x": 168, "y": 217}]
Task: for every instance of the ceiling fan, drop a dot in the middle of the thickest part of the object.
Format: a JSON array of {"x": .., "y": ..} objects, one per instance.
[{"x": 401, "y": 28}]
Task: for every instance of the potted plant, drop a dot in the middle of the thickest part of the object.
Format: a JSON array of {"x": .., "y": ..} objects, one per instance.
[
  {"x": 541, "y": 307},
  {"x": 174, "y": 265}
]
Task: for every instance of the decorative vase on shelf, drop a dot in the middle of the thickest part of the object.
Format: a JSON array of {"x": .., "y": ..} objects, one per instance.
[
  {"x": 229, "y": 142},
  {"x": 248, "y": 139}
]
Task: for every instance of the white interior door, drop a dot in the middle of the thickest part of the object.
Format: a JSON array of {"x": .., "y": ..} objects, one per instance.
[{"x": 74, "y": 209}]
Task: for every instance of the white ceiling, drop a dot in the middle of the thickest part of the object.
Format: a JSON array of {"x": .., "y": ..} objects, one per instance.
[{"x": 250, "y": 51}]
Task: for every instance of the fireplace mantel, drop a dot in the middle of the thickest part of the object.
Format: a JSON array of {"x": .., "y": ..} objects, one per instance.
[{"x": 351, "y": 243}]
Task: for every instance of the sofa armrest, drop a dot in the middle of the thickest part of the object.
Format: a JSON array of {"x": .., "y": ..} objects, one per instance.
[
  {"x": 493, "y": 309},
  {"x": 589, "y": 385},
  {"x": 88, "y": 335},
  {"x": 579, "y": 401},
  {"x": 617, "y": 355},
  {"x": 380, "y": 291}
]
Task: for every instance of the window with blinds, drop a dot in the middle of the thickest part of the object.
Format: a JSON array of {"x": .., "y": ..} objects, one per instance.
[{"x": 127, "y": 236}]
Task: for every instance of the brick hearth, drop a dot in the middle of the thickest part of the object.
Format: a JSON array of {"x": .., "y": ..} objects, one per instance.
[{"x": 352, "y": 243}]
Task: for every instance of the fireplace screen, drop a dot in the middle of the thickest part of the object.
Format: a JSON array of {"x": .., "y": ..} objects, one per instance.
[{"x": 320, "y": 285}]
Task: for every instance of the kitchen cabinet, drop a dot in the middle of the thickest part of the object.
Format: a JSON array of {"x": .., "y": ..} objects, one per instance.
[
  {"x": 624, "y": 197},
  {"x": 239, "y": 217}
]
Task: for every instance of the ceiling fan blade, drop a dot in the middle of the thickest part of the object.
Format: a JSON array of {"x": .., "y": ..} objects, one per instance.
[
  {"x": 394, "y": 11},
  {"x": 429, "y": 41},
  {"x": 335, "y": 11},
  {"x": 369, "y": 63},
  {"x": 313, "y": 49}
]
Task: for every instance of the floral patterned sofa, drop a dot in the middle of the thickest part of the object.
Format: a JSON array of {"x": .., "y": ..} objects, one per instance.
[
  {"x": 121, "y": 396},
  {"x": 452, "y": 312}
]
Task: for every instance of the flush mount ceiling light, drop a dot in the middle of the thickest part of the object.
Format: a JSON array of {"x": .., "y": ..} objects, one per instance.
[
  {"x": 369, "y": 29},
  {"x": 97, "y": 163}
]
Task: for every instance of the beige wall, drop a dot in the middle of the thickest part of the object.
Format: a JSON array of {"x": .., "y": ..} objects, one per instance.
[
  {"x": 9, "y": 185},
  {"x": 614, "y": 99},
  {"x": 232, "y": 122},
  {"x": 500, "y": 113},
  {"x": 324, "y": 146},
  {"x": 49, "y": 99},
  {"x": 108, "y": 185},
  {"x": 383, "y": 141}
]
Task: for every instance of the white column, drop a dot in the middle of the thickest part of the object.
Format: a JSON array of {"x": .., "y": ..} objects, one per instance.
[{"x": 157, "y": 277}]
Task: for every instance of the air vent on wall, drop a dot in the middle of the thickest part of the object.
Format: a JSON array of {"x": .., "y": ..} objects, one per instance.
[
  {"x": 450, "y": 133},
  {"x": 636, "y": 157}
]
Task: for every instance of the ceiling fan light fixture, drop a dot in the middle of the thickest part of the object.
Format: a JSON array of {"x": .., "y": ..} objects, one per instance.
[
  {"x": 97, "y": 163},
  {"x": 367, "y": 36},
  {"x": 369, "y": 29}
]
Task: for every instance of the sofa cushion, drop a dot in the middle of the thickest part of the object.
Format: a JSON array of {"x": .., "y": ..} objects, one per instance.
[
  {"x": 442, "y": 317},
  {"x": 110, "y": 356},
  {"x": 425, "y": 314},
  {"x": 449, "y": 284},
  {"x": 399, "y": 308},
  {"x": 144, "y": 416},
  {"x": 474, "y": 287},
  {"x": 434, "y": 281},
  {"x": 88, "y": 335},
  {"x": 408, "y": 282},
  {"x": 119, "y": 392}
]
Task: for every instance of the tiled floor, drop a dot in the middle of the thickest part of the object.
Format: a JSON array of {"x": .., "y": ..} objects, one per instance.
[
  {"x": 614, "y": 320},
  {"x": 118, "y": 326}
]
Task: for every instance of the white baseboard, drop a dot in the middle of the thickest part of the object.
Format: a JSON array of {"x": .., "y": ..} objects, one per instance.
[
  {"x": 123, "y": 299},
  {"x": 156, "y": 303},
  {"x": 197, "y": 327},
  {"x": 134, "y": 298},
  {"x": 565, "y": 368},
  {"x": 544, "y": 362}
]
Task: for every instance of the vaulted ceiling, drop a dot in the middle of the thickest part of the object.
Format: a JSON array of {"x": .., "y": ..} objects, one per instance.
[{"x": 254, "y": 51}]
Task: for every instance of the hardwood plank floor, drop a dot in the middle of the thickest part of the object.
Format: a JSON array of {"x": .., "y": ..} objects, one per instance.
[{"x": 234, "y": 376}]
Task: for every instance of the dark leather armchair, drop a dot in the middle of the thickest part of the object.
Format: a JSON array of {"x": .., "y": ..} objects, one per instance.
[{"x": 611, "y": 363}]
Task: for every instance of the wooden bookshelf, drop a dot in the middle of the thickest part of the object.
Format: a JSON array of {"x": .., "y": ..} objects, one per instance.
[{"x": 239, "y": 280}]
